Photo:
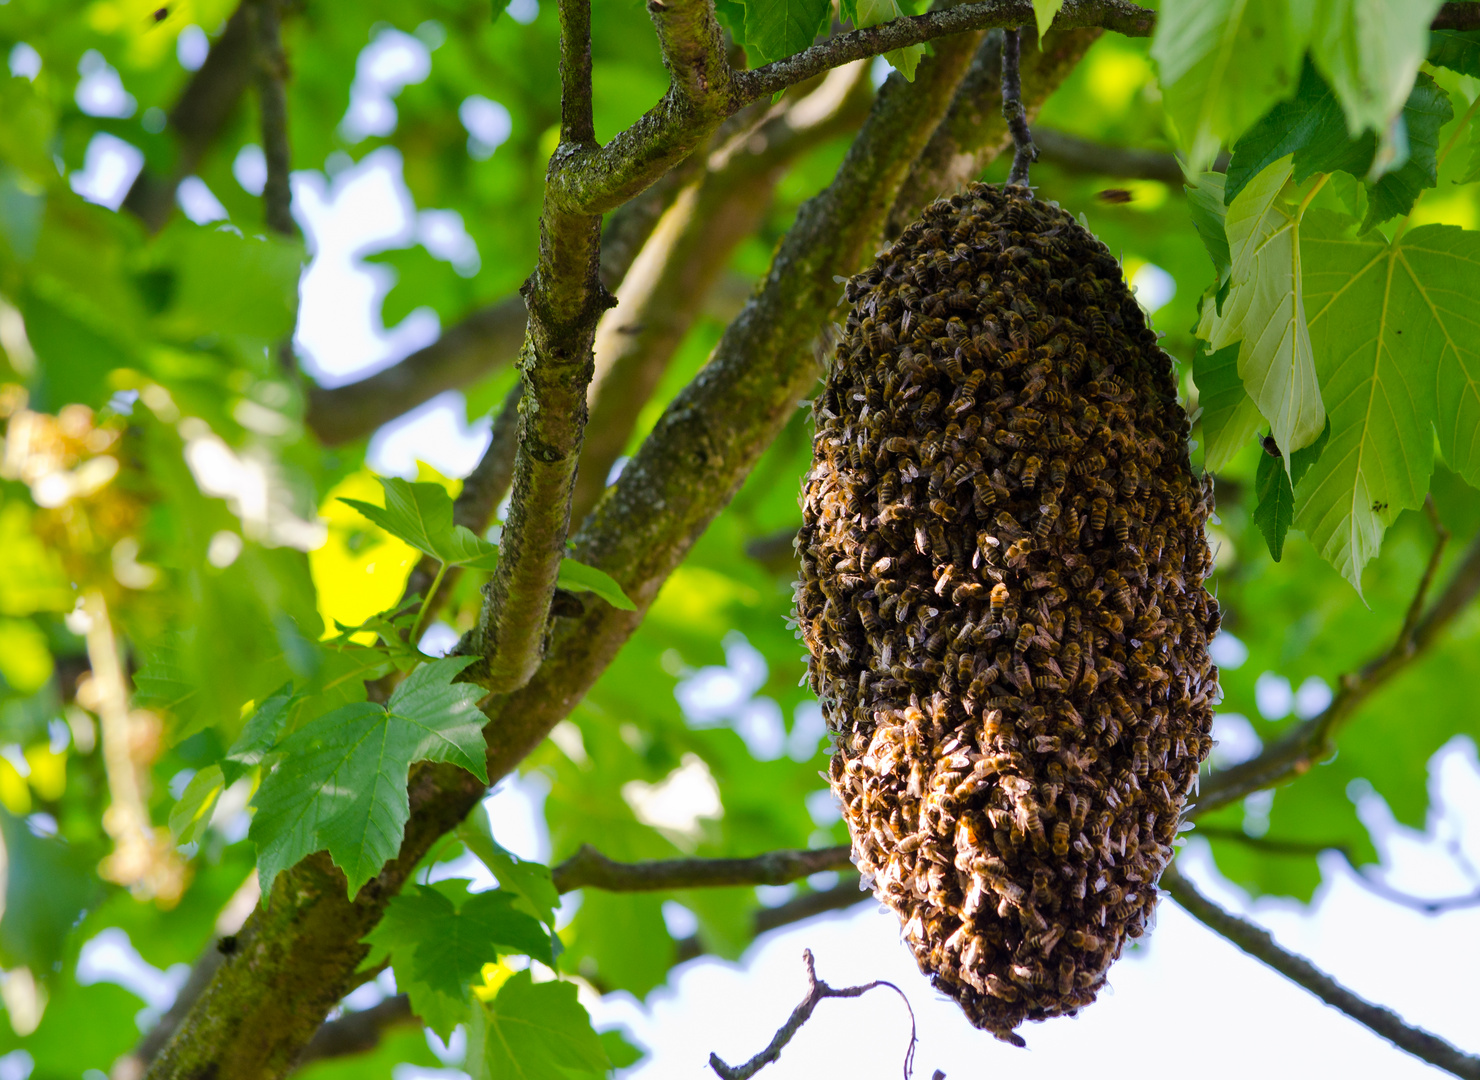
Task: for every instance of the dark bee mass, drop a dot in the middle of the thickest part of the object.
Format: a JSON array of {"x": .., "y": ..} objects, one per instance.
[{"x": 1002, "y": 567}]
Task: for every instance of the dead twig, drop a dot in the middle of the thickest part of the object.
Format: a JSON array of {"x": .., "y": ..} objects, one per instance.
[{"x": 817, "y": 991}]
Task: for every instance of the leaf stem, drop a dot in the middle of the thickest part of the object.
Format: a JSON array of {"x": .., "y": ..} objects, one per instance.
[
  {"x": 1310, "y": 195},
  {"x": 1460, "y": 128},
  {"x": 426, "y": 604}
]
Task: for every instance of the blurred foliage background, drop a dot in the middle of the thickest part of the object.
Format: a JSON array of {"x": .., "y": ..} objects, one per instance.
[{"x": 158, "y": 466}]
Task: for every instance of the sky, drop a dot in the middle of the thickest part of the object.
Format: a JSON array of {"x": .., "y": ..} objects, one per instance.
[{"x": 1186, "y": 999}]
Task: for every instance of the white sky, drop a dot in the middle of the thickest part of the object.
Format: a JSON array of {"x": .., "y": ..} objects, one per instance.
[{"x": 1188, "y": 1001}]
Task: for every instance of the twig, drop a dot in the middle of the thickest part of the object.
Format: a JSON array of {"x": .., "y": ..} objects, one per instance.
[
  {"x": 272, "y": 97},
  {"x": 1273, "y": 844},
  {"x": 1258, "y": 943},
  {"x": 590, "y": 868},
  {"x": 816, "y": 992},
  {"x": 1421, "y": 594},
  {"x": 1024, "y": 152},
  {"x": 1314, "y": 740},
  {"x": 1457, "y": 16},
  {"x": 1426, "y": 905}
]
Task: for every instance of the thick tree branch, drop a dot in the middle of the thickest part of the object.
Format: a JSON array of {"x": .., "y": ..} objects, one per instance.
[
  {"x": 565, "y": 299},
  {"x": 817, "y": 991},
  {"x": 1314, "y": 740},
  {"x": 1258, "y": 943},
  {"x": 693, "y": 48},
  {"x": 272, "y": 98},
  {"x": 672, "y": 277},
  {"x": 1457, "y": 16},
  {"x": 296, "y": 956},
  {"x": 589, "y": 868}
]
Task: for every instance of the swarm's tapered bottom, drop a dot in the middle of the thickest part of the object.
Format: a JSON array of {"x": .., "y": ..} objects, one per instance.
[{"x": 1001, "y": 590}]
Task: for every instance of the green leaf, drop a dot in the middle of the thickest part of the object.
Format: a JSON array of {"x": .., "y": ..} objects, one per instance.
[
  {"x": 499, "y": 6},
  {"x": 1043, "y": 14},
  {"x": 47, "y": 885},
  {"x": 341, "y": 783},
  {"x": 1206, "y": 205},
  {"x": 1275, "y": 494},
  {"x": 1223, "y": 63},
  {"x": 1312, "y": 128},
  {"x": 531, "y": 880},
  {"x": 778, "y": 28},
  {"x": 535, "y": 1031},
  {"x": 578, "y": 577},
  {"x": 420, "y": 514},
  {"x": 1369, "y": 52},
  {"x": 1456, "y": 51},
  {"x": 192, "y": 812},
  {"x": 1229, "y": 416},
  {"x": 262, "y": 730},
  {"x": 1265, "y": 311},
  {"x": 622, "y": 1053},
  {"x": 1428, "y": 109},
  {"x": 1391, "y": 327},
  {"x": 862, "y": 13},
  {"x": 439, "y": 944},
  {"x": 262, "y": 301}
]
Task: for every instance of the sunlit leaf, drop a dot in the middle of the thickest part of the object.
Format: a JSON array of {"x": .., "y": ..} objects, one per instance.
[
  {"x": 1265, "y": 311},
  {"x": 1369, "y": 52}
]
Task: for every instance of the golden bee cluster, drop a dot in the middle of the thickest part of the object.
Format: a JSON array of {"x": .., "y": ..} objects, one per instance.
[{"x": 1002, "y": 593}]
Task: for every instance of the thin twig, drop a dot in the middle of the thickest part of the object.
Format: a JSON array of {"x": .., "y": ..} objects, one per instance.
[
  {"x": 1258, "y": 943},
  {"x": 816, "y": 992},
  {"x": 1273, "y": 844},
  {"x": 1425, "y": 905},
  {"x": 589, "y": 867},
  {"x": 1314, "y": 740},
  {"x": 1421, "y": 594},
  {"x": 1024, "y": 153},
  {"x": 272, "y": 98}
]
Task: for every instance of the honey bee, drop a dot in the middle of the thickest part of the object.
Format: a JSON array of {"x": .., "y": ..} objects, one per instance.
[
  {"x": 1031, "y": 468},
  {"x": 999, "y": 599},
  {"x": 1098, "y": 510}
]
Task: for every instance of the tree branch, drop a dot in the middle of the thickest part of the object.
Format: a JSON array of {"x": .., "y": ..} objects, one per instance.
[
  {"x": 296, "y": 955},
  {"x": 565, "y": 299},
  {"x": 816, "y": 992},
  {"x": 693, "y": 49},
  {"x": 671, "y": 129},
  {"x": 358, "y": 1032},
  {"x": 589, "y": 868},
  {"x": 1313, "y": 741},
  {"x": 485, "y": 340},
  {"x": 1457, "y": 16},
  {"x": 272, "y": 97},
  {"x": 199, "y": 117},
  {"x": 1258, "y": 943},
  {"x": 672, "y": 277},
  {"x": 1076, "y": 155},
  {"x": 1024, "y": 152}
]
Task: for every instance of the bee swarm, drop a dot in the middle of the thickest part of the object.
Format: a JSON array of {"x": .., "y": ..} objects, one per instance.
[{"x": 1002, "y": 565}]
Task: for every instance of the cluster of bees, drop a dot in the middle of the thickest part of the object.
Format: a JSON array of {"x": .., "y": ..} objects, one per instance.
[{"x": 1002, "y": 593}]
